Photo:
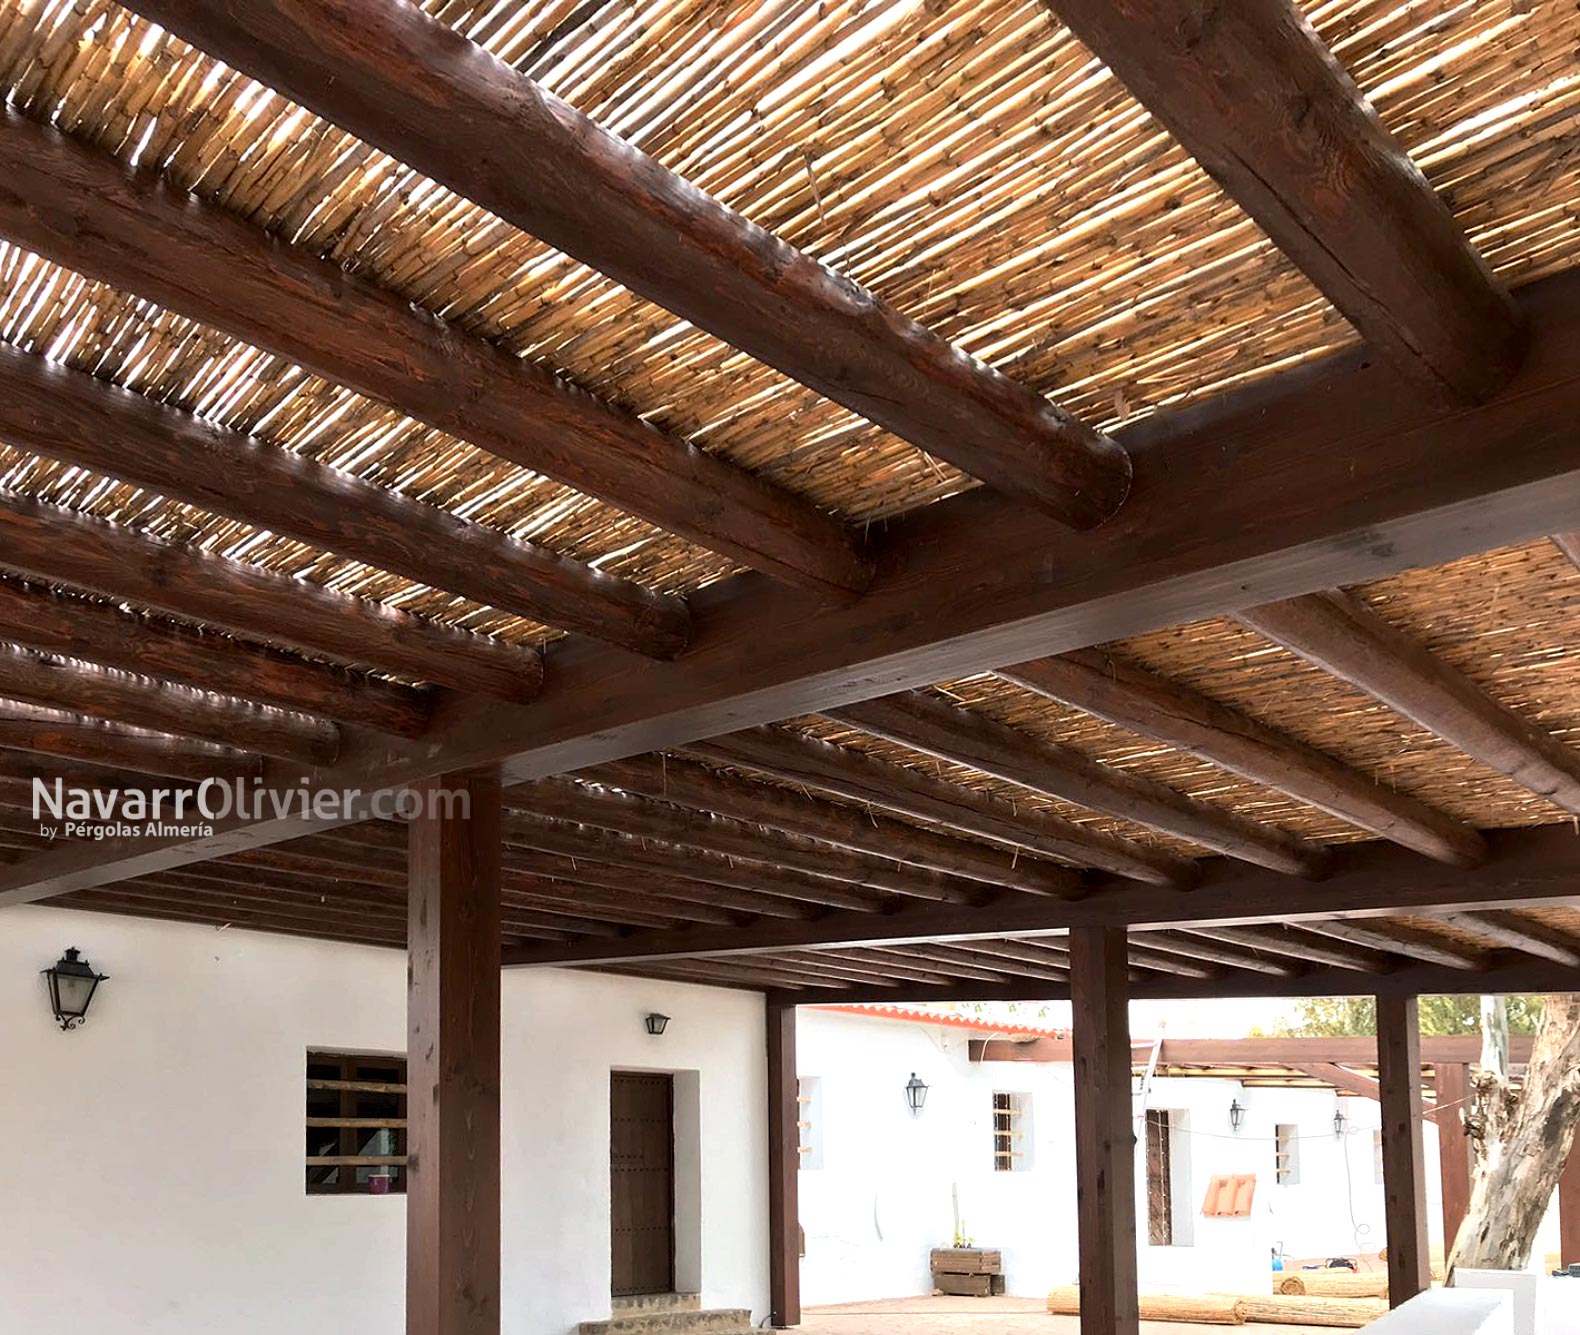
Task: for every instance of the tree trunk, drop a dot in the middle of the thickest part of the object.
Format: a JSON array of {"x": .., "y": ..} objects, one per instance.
[{"x": 1524, "y": 1142}]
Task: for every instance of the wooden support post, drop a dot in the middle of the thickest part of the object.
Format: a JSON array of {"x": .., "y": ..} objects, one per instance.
[
  {"x": 1404, "y": 1166},
  {"x": 784, "y": 1168},
  {"x": 1569, "y": 1210},
  {"x": 1453, "y": 1147},
  {"x": 1105, "y": 1142},
  {"x": 452, "y": 1201}
]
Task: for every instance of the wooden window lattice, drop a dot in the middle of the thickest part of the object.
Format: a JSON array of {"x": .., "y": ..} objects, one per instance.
[{"x": 355, "y": 1122}]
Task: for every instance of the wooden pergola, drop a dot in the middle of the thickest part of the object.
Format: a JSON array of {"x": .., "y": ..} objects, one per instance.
[{"x": 920, "y": 502}]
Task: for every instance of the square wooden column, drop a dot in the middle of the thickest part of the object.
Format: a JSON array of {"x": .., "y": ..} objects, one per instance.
[
  {"x": 1569, "y": 1209},
  {"x": 452, "y": 1193},
  {"x": 784, "y": 1170},
  {"x": 1453, "y": 1146},
  {"x": 1105, "y": 1139},
  {"x": 1403, "y": 1147}
]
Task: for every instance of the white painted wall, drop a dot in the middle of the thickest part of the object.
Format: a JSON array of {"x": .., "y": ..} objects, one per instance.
[
  {"x": 152, "y": 1179},
  {"x": 882, "y": 1198}
]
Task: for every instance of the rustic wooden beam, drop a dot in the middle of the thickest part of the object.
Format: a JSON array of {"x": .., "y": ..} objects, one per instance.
[
  {"x": 55, "y": 683},
  {"x": 1453, "y": 1146},
  {"x": 611, "y": 810},
  {"x": 1340, "y": 634},
  {"x": 1398, "y": 939},
  {"x": 1353, "y": 1082},
  {"x": 453, "y": 1187},
  {"x": 48, "y": 732},
  {"x": 648, "y": 856},
  {"x": 1215, "y": 952},
  {"x": 1368, "y": 880},
  {"x": 414, "y": 87},
  {"x": 859, "y": 778},
  {"x": 131, "y": 229},
  {"x": 795, "y": 811},
  {"x": 1344, "y": 1050},
  {"x": 1159, "y": 961},
  {"x": 72, "y": 416},
  {"x": 1152, "y": 706},
  {"x": 1255, "y": 97},
  {"x": 98, "y": 633},
  {"x": 1303, "y": 480},
  {"x": 53, "y": 543},
  {"x": 926, "y": 722},
  {"x": 1569, "y": 1210},
  {"x": 1519, "y": 933},
  {"x": 997, "y": 961},
  {"x": 784, "y": 1170},
  {"x": 1105, "y": 1139},
  {"x": 1403, "y": 1147},
  {"x": 1297, "y": 944}
]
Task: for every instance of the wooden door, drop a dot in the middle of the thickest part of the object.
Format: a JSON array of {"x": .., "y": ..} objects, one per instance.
[{"x": 642, "y": 1183}]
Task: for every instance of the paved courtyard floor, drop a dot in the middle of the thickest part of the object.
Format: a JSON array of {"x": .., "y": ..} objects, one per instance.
[{"x": 977, "y": 1316}]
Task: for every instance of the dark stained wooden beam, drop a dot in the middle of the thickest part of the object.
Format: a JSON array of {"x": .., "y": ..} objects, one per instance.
[
  {"x": 1307, "y": 479},
  {"x": 1519, "y": 932},
  {"x": 1342, "y": 635},
  {"x": 859, "y": 778},
  {"x": 453, "y": 1186},
  {"x": 1403, "y": 1148},
  {"x": 1453, "y": 1146},
  {"x": 1540, "y": 865},
  {"x": 1161, "y": 961},
  {"x": 784, "y": 1170},
  {"x": 89, "y": 212},
  {"x": 98, "y": 633},
  {"x": 994, "y": 960},
  {"x": 672, "y": 779},
  {"x": 53, "y": 543},
  {"x": 1105, "y": 1138},
  {"x": 608, "y": 809},
  {"x": 1296, "y": 944},
  {"x": 72, "y": 416},
  {"x": 49, "y": 732},
  {"x": 1154, "y": 707},
  {"x": 928, "y": 723},
  {"x": 1399, "y": 939},
  {"x": 1215, "y": 952},
  {"x": 1255, "y": 97},
  {"x": 579, "y": 871},
  {"x": 143, "y": 703},
  {"x": 1341, "y": 1050},
  {"x": 413, "y": 87},
  {"x": 649, "y": 856}
]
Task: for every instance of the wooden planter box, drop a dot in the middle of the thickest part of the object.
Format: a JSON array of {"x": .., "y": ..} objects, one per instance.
[{"x": 970, "y": 1271}]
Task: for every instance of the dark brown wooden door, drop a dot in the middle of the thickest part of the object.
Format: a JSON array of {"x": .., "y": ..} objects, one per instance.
[{"x": 642, "y": 1182}]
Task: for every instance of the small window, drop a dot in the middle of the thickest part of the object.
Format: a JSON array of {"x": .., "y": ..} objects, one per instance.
[
  {"x": 1160, "y": 1179},
  {"x": 1286, "y": 1155},
  {"x": 809, "y": 1121},
  {"x": 1377, "y": 1158},
  {"x": 356, "y": 1124},
  {"x": 1011, "y": 1133}
]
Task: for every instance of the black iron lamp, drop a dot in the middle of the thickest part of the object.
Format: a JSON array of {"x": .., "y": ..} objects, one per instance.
[
  {"x": 1340, "y": 1124},
  {"x": 656, "y": 1023},
  {"x": 916, "y": 1094},
  {"x": 1236, "y": 1115},
  {"x": 72, "y": 983}
]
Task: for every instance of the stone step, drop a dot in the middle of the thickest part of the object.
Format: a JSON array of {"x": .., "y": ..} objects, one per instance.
[
  {"x": 657, "y": 1302},
  {"x": 719, "y": 1321}
]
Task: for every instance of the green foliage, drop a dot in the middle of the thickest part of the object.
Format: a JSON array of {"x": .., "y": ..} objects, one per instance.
[{"x": 1334, "y": 1017}]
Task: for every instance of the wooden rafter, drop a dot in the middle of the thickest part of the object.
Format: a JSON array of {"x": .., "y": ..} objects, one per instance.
[
  {"x": 1255, "y": 97},
  {"x": 928, "y": 723},
  {"x": 1153, "y": 706},
  {"x": 49, "y": 732},
  {"x": 408, "y": 84},
  {"x": 50, "y": 542},
  {"x": 73, "y": 416},
  {"x": 1342, "y": 635},
  {"x": 88, "y": 212}
]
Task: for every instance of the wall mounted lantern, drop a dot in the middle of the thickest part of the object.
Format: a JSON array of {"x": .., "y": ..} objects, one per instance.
[
  {"x": 656, "y": 1023},
  {"x": 915, "y": 1094},
  {"x": 1340, "y": 1123},
  {"x": 72, "y": 983},
  {"x": 1236, "y": 1115}
]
